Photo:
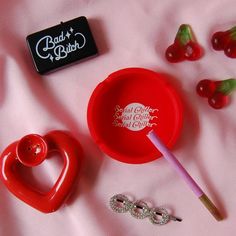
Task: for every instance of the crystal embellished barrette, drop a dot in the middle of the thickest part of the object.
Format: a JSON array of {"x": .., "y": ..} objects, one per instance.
[{"x": 158, "y": 215}]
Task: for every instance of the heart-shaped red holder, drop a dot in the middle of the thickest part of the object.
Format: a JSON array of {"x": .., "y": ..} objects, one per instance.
[{"x": 32, "y": 150}]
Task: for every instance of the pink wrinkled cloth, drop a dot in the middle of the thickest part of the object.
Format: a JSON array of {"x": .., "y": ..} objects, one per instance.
[{"x": 128, "y": 34}]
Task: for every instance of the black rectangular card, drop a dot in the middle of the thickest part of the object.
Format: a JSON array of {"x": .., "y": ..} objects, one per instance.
[{"x": 62, "y": 44}]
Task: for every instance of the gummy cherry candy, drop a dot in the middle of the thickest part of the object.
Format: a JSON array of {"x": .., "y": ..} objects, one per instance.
[
  {"x": 230, "y": 49},
  {"x": 206, "y": 88},
  {"x": 219, "y": 40},
  {"x": 184, "y": 47},
  {"x": 217, "y": 92},
  {"x": 225, "y": 40},
  {"x": 218, "y": 100},
  {"x": 192, "y": 51},
  {"x": 175, "y": 53}
]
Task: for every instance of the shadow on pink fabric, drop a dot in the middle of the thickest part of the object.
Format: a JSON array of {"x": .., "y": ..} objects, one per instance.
[{"x": 128, "y": 34}]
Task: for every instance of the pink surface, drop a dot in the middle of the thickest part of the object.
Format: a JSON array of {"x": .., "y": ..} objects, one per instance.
[{"x": 128, "y": 34}]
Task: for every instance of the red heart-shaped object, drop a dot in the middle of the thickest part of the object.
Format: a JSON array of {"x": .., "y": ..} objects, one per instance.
[{"x": 30, "y": 151}]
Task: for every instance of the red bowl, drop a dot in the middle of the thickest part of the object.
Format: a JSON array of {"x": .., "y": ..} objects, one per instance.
[{"x": 126, "y": 106}]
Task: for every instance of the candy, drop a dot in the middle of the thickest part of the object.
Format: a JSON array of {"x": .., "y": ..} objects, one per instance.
[
  {"x": 217, "y": 92},
  {"x": 184, "y": 47},
  {"x": 225, "y": 41}
]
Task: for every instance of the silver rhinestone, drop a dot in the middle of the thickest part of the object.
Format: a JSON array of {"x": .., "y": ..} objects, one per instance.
[
  {"x": 139, "y": 210},
  {"x": 120, "y": 203},
  {"x": 160, "y": 220}
]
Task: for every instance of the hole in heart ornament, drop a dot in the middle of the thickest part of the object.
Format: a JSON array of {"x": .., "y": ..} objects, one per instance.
[
  {"x": 31, "y": 151},
  {"x": 42, "y": 177}
]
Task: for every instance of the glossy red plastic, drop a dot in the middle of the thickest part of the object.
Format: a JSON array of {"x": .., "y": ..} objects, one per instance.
[
  {"x": 30, "y": 151},
  {"x": 126, "y": 106}
]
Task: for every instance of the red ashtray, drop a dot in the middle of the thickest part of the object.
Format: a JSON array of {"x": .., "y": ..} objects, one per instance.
[{"x": 126, "y": 106}]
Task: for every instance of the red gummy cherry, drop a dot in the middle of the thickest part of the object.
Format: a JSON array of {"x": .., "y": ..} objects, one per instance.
[
  {"x": 220, "y": 39},
  {"x": 184, "y": 47},
  {"x": 206, "y": 88},
  {"x": 217, "y": 92},
  {"x": 218, "y": 100},
  {"x": 230, "y": 49},
  {"x": 192, "y": 51},
  {"x": 174, "y": 53}
]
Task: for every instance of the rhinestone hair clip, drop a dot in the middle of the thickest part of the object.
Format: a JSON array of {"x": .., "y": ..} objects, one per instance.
[{"x": 158, "y": 215}]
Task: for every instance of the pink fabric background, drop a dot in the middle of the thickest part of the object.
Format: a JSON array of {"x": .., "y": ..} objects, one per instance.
[{"x": 128, "y": 34}]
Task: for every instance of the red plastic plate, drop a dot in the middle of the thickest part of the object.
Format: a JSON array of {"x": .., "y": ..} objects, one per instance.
[{"x": 126, "y": 106}]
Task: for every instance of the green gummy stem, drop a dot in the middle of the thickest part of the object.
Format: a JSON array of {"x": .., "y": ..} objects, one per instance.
[
  {"x": 227, "y": 86},
  {"x": 233, "y": 33},
  {"x": 184, "y": 34}
]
